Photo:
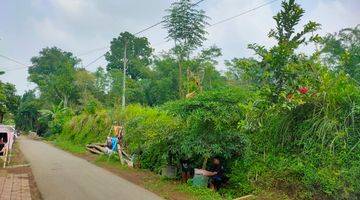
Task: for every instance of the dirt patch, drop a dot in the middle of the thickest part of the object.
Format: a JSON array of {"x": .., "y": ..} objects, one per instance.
[{"x": 18, "y": 165}]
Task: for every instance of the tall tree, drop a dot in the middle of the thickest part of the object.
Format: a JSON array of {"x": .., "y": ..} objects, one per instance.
[
  {"x": 342, "y": 51},
  {"x": 54, "y": 73},
  {"x": 277, "y": 61},
  {"x": 138, "y": 55},
  {"x": 185, "y": 24}
]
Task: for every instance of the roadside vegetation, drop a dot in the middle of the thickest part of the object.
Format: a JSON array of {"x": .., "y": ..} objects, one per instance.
[{"x": 283, "y": 121}]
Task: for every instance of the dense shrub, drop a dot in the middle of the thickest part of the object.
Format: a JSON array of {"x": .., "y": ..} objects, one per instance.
[
  {"x": 153, "y": 134},
  {"x": 87, "y": 128},
  {"x": 211, "y": 124},
  {"x": 311, "y": 150}
]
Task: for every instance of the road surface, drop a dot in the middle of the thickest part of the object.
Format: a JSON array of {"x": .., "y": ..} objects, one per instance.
[{"x": 62, "y": 176}]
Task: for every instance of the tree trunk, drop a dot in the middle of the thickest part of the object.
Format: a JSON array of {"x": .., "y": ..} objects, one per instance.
[
  {"x": 1, "y": 118},
  {"x": 66, "y": 99},
  {"x": 205, "y": 162},
  {"x": 180, "y": 80}
]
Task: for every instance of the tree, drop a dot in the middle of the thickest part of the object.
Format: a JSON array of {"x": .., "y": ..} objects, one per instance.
[
  {"x": 101, "y": 83},
  {"x": 134, "y": 91},
  {"x": 277, "y": 62},
  {"x": 9, "y": 101},
  {"x": 186, "y": 27},
  {"x": 2, "y": 72},
  {"x": 163, "y": 83},
  {"x": 205, "y": 75},
  {"x": 85, "y": 83},
  {"x": 243, "y": 71},
  {"x": 341, "y": 51},
  {"x": 27, "y": 116},
  {"x": 3, "y": 108},
  {"x": 54, "y": 73},
  {"x": 138, "y": 55}
]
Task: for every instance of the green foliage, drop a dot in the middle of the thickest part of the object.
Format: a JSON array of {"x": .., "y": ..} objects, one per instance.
[
  {"x": 54, "y": 73},
  {"x": 310, "y": 147},
  {"x": 9, "y": 101},
  {"x": 186, "y": 26},
  {"x": 27, "y": 115},
  {"x": 134, "y": 89},
  {"x": 200, "y": 193},
  {"x": 341, "y": 51},
  {"x": 69, "y": 146},
  {"x": 138, "y": 55},
  {"x": 163, "y": 85},
  {"x": 153, "y": 134},
  {"x": 283, "y": 121},
  {"x": 244, "y": 71},
  {"x": 280, "y": 62},
  {"x": 87, "y": 128},
  {"x": 211, "y": 124},
  {"x": 55, "y": 118}
]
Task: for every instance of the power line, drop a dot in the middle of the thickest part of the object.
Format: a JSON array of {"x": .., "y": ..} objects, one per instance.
[
  {"x": 94, "y": 61},
  {"x": 13, "y": 60},
  {"x": 232, "y": 17},
  {"x": 243, "y": 13},
  {"x": 15, "y": 69},
  {"x": 93, "y": 50},
  {"x": 137, "y": 33},
  {"x": 148, "y": 28},
  {"x": 156, "y": 24},
  {"x": 162, "y": 21}
]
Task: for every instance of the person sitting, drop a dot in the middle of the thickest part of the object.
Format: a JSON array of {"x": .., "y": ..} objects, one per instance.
[
  {"x": 185, "y": 169},
  {"x": 216, "y": 173}
]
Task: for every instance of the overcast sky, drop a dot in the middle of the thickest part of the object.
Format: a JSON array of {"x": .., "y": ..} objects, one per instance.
[{"x": 27, "y": 26}]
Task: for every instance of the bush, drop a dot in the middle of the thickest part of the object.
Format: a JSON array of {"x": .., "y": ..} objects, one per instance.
[
  {"x": 87, "y": 128},
  {"x": 153, "y": 134},
  {"x": 211, "y": 124},
  {"x": 309, "y": 150}
]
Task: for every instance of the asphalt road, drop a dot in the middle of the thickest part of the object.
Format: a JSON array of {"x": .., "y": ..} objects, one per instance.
[{"x": 62, "y": 176}]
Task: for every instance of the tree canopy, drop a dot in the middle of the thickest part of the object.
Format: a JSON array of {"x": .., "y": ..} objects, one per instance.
[
  {"x": 53, "y": 71},
  {"x": 138, "y": 55},
  {"x": 342, "y": 51}
]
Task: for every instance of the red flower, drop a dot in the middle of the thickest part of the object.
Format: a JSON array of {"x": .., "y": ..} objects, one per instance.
[{"x": 303, "y": 90}]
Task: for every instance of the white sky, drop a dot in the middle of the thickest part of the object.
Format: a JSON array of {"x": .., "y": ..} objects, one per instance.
[{"x": 27, "y": 26}]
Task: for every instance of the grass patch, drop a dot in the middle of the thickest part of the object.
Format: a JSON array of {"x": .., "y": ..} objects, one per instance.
[
  {"x": 68, "y": 146},
  {"x": 199, "y": 193}
]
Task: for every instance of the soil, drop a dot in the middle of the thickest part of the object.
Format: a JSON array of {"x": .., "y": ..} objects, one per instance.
[{"x": 19, "y": 165}]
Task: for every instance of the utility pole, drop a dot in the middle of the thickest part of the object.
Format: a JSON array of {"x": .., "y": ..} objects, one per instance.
[{"x": 124, "y": 77}]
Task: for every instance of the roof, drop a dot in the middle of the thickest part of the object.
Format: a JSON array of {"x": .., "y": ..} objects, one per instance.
[{"x": 6, "y": 128}]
